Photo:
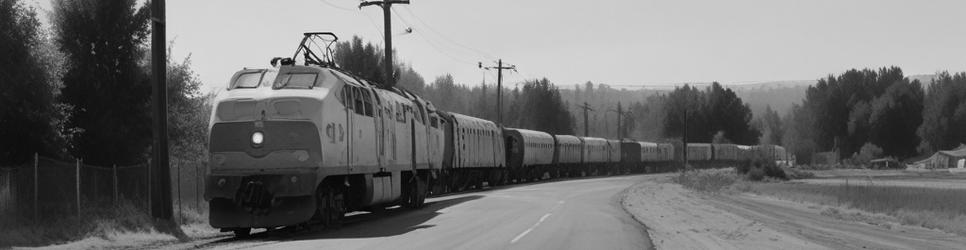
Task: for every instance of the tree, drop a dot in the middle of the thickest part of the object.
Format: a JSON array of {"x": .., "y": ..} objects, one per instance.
[
  {"x": 799, "y": 134},
  {"x": 109, "y": 91},
  {"x": 686, "y": 103},
  {"x": 715, "y": 111},
  {"x": 28, "y": 114},
  {"x": 188, "y": 113},
  {"x": 366, "y": 60},
  {"x": 849, "y": 110},
  {"x": 944, "y": 113},
  {"x": 540, "y": 107},
  {"x": 770, "y": 125},
  {"x": 895, "y": 117}
]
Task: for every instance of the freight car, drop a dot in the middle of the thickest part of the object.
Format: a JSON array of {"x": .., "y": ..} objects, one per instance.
[{"x": 529, "y": 154}]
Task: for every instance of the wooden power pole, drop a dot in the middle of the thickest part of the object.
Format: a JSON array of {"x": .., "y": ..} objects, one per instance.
[
  {"x": 499, "y": 87},
  {"x": 161, "y": 205},
  {"x": 586, "y": 126},
  {"x": 387, "y": 23}
]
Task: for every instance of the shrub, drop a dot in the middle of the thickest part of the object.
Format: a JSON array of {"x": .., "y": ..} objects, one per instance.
[
  {"x": 760, "y": 167},
  {"x": 756, "y": 174}
]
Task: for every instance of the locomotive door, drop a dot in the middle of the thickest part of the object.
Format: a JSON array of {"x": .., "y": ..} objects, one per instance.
[{"x": 348, "y": 102}]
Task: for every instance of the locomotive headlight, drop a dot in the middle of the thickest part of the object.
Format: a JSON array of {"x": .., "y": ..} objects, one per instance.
[{"x": 258, "y": 138}]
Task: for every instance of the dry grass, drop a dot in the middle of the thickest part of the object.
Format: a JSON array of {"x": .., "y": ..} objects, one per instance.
[
  {"x": 943, "y": 209},
  {"x": 707, "y": 180},
  {"x": 126, "y": 222}
]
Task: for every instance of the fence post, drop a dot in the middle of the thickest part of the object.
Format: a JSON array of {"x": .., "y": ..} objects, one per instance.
[
  {"x": 149, "y": 188},
  {"x": 197, "y": 188},
  {"x": 36, "y": 185},
  {"x": 180, "y": 212},
  {"x": 77, "y": 167},
  {"x": 115, "y": 184}
]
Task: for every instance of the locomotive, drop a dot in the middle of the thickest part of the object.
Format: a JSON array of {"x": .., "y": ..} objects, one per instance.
[{"x": 306, "y": 142}]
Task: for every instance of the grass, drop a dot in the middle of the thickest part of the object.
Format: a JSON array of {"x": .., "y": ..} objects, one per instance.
[
  {"x": 943, "y": 209},
  {"x": 106, "y": 224}
]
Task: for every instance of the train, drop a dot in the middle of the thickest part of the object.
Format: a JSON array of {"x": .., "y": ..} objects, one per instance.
[{"x": 304, "y": 142}]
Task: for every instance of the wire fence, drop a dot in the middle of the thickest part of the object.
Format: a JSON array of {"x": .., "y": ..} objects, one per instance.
[{"x": 47, "y": 187}]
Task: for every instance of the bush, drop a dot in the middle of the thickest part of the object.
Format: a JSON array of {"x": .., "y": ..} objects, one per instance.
[
  {"x": 756, "y": 174},
  {"x": 760, "y": 167}
]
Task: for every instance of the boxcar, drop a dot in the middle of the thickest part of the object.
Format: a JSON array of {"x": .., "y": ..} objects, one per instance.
[{"x": 529, "y": 154}]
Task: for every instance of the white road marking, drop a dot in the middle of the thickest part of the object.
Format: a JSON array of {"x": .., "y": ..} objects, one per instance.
[
  {"x": 535, "y": 225},
  {"x": 524, "y": 233},
  {"x": 543, "y": 218}
]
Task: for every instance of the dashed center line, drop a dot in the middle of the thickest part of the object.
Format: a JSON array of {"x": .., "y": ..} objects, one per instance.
[{"x": 535, "y": 225}]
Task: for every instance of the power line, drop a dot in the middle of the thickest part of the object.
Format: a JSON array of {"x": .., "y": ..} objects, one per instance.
[
  {"x": 432, "y": 44},
  {"x": 430, "y": 28},
  {"x": 326, "y": 2}
]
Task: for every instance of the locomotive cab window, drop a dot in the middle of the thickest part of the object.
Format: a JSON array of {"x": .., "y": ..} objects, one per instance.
[
  {"x": 247, "y": 80},
  {"x": 297, "y": 81}
]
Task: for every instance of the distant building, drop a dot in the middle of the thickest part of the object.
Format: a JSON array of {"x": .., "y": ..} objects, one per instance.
[
  {"x": 946, "y": 159},
  {"x": 885, "y": 163}
]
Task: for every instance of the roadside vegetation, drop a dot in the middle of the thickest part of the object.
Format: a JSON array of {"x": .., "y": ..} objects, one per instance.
[
  {"x": 943, "y": 209},
  {"x": 935, "y": 208}
]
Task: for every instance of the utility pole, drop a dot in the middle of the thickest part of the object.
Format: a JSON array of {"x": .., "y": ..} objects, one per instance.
[
  {"x": 387, "y": 23},
  {"x": 586, "y": 108},
  {"x": 685, "y": 137},
  {"x": 162, "y": 182},
  {"x": 620, "y": 114},
  {"x": 499, "y": 87}
]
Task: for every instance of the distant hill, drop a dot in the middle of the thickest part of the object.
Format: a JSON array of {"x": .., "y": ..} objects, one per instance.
[
  {"x": 924, "y": 79},
  {"x": 780, "y": 95}
]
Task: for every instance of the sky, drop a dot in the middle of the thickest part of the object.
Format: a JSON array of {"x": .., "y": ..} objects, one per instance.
[{"x": 615, "y": 42}]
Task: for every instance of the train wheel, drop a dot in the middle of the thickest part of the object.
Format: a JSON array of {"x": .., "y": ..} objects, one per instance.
[
  {"x": 242, "y": 232},
  {"x": 331, "y": 207}
]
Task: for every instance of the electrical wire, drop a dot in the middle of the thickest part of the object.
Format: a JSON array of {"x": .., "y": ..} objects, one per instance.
[
  {"x": 430, "y": 28},
  {"x": 326, "y": 2},
  {"x": 431, "y": 43}
]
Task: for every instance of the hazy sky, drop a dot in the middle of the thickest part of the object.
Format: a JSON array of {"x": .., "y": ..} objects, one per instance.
[{"x": 622, "y": 43}]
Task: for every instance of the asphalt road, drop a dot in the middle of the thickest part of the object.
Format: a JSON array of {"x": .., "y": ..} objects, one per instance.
[{"x": 570, "y": 214}]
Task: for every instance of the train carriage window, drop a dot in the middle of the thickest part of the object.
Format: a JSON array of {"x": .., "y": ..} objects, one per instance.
[
  {"x": 347, "y": 98},
  {"x": 357, "y": 99},
  {"x": 366, "y": 102}
]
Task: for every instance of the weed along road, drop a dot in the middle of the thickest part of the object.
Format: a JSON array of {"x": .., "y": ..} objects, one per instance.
[{"x": 570, "y": 214}]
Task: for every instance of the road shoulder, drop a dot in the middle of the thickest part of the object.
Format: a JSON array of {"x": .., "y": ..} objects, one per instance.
[{"x": 677, "y": 218}]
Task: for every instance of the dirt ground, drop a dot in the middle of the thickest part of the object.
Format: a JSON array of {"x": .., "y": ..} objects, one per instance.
[{"x": 677, "y": 218}]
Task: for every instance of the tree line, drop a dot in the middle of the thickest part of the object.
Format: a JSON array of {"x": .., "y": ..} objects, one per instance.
[
  {"x": 864, "y": 114},
  {"x": 81, "y": 89},
  {"x": 536, "y": 105}
]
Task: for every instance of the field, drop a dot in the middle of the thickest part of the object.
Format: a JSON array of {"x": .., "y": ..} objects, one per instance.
[
  {"x": 928, "y": 200},
  {"x": 876, "y": 209}
]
